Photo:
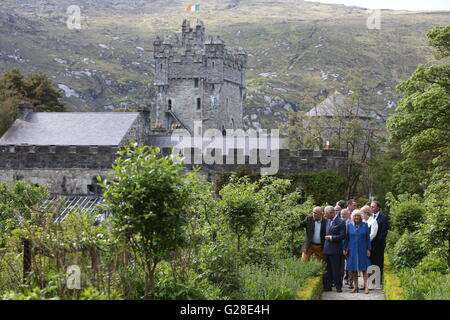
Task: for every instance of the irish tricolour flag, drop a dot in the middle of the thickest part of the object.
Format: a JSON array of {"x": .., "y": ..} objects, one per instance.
[{"x": 192, "y": 8}]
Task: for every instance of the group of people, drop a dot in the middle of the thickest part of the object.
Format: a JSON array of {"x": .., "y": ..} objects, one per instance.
[{"x": 348, "y": 240}]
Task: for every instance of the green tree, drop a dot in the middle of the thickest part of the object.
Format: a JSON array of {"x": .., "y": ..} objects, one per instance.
[
  {"x": 240, "y": 205},
  {"x": 421, "y": 123},
  {"x": 17, "y": 202},
  {"x": 148, "y": 197},
  {"x": 37, "y": 89}
]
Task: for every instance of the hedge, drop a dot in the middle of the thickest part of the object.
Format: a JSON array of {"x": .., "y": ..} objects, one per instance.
[
  {"x": 391, "y": 283},
  {"x": 312, "y": 289}
]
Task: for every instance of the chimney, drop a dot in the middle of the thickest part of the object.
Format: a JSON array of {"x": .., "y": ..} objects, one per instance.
[
  {"x": 144, "y": 111},
  {"x": 25, "y": 109}
]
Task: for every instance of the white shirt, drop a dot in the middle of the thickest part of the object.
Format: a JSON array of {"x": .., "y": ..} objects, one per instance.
[
  {"x": 317, "y": 226},
  {"x": 373, "y": 225}
]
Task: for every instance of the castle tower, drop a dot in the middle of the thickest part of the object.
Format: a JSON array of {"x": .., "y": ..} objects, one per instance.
[{"x": 198, "y": 79}]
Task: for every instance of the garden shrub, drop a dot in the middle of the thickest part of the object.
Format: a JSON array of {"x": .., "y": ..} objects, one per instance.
[
  {"x": 406, "y": 212},
  {"x": 218, "y": 261},
  {"x": 392, "y": 238},
  {"x": 425, "y": 286},
  {"x": 435, "y": 261},
  {"x": 252, "y": 254},
  {"x": 407, "y": 252},
  {"x": 190, "y": 286}
]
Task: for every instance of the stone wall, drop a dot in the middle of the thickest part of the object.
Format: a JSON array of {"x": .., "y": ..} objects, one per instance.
[
  {"x": 56, "y": 157},
  {"x": 65, "y": 172},
  {"x": 139, "y": 130}
]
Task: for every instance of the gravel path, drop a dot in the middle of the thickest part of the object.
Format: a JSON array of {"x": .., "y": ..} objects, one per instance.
[{"x": 346, "y": 295}]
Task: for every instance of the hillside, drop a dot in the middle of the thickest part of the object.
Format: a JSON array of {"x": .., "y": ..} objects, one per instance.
[{"x": 299, "y": 52}]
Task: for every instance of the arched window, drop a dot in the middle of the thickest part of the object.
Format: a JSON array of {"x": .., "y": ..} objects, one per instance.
[{"x": 169, "y": 104}]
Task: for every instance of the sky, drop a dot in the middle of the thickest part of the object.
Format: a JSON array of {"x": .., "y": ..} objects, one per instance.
[{"x": 413, "y": 5}]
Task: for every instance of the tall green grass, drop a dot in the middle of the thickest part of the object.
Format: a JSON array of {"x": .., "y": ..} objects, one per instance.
[{"x": 278, "y": 283}]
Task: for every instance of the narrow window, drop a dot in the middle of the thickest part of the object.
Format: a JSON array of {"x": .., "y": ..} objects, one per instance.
[
  {"x": 199, "y": 103},
  {"x": 196, "y": 82},
  {"x": 160, "y": 66},
  {"x": 169, "y": 104},
  {"x": 213, "y": 64}
]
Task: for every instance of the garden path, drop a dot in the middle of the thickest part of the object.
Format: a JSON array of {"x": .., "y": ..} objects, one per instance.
[{"x": 346, "y": 295}]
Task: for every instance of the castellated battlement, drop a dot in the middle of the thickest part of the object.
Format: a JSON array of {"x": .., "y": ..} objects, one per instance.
[
  {"x": 193, "y": 54},
  {"x": 56, "y": 157}
]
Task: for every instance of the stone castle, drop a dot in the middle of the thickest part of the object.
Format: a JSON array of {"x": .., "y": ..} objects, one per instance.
[{"x": 197, "y": 80}]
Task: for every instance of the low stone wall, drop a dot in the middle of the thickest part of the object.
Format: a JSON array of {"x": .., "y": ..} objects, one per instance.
[
  {"x": 73, "y": 169},
  {"x": 56, "y": 157}
]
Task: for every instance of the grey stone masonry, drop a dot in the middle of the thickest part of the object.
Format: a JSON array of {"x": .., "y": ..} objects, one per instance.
[{"x": 198, "y": 79}]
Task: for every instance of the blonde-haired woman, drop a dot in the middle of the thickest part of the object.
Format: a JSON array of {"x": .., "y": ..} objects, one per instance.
[
  {"x": 357, "y": 249},
  {"x": 373, "y": 224}
]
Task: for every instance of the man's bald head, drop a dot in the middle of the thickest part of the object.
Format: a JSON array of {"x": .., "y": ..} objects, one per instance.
[
  {"x": 317, "y": 213},
  {"x": 345, "y": 214}
]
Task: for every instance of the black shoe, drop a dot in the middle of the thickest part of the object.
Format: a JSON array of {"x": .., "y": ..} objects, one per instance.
[
  {"x": 350, "y": 286},
  {"x": 327, "y": 290},
  {"x": 338, "y": 290}
]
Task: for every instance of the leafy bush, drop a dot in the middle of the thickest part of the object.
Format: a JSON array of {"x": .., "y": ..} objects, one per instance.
[
  {"x": 435, "y": 261},
  {"x": 323, "y": 186},
  {"x": 392, "y": 238},
  {"x": 407, "y": 212},
  {"x": 219, "y": 263},
  {"x": 279, "y": 283},
  {"x": 425, "y": 286},
  {"x": 407, "y": 252},
  {"x": 191, "y": 286},
  {"x": 257, "y": 255},
  {"x": 26, "y": 293},
  {"x": 93, "y": 294}
]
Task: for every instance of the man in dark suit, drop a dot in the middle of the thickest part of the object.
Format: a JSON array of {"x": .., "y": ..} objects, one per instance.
[
  {"x": 315, "y": 235},
  {"x": 339, "y": 206},
  {"x": 332, "y": 249},
  {"x": 379, "y": 242}
]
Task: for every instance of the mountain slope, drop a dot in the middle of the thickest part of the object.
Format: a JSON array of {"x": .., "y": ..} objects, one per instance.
[{"x": 299, "y": 52}]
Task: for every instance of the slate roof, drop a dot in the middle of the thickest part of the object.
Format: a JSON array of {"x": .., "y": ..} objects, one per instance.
[{"x": 70, "y": 128}]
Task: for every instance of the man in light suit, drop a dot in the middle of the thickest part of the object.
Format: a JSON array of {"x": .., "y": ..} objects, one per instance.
[
  {"x": 379, "y": 243},
  {"x": 315, "y": 235},
  {"x": 332, "y": 249}
]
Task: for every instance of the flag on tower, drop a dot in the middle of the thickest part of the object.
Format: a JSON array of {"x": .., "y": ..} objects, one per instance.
[{"x": 192, "y": 8}]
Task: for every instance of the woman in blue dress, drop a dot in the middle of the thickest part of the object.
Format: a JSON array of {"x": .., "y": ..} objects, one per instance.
[{"x": 357, "y": 249}]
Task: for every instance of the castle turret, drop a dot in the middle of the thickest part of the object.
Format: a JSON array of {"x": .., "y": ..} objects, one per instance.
[{"x": 197, "y": 79}]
